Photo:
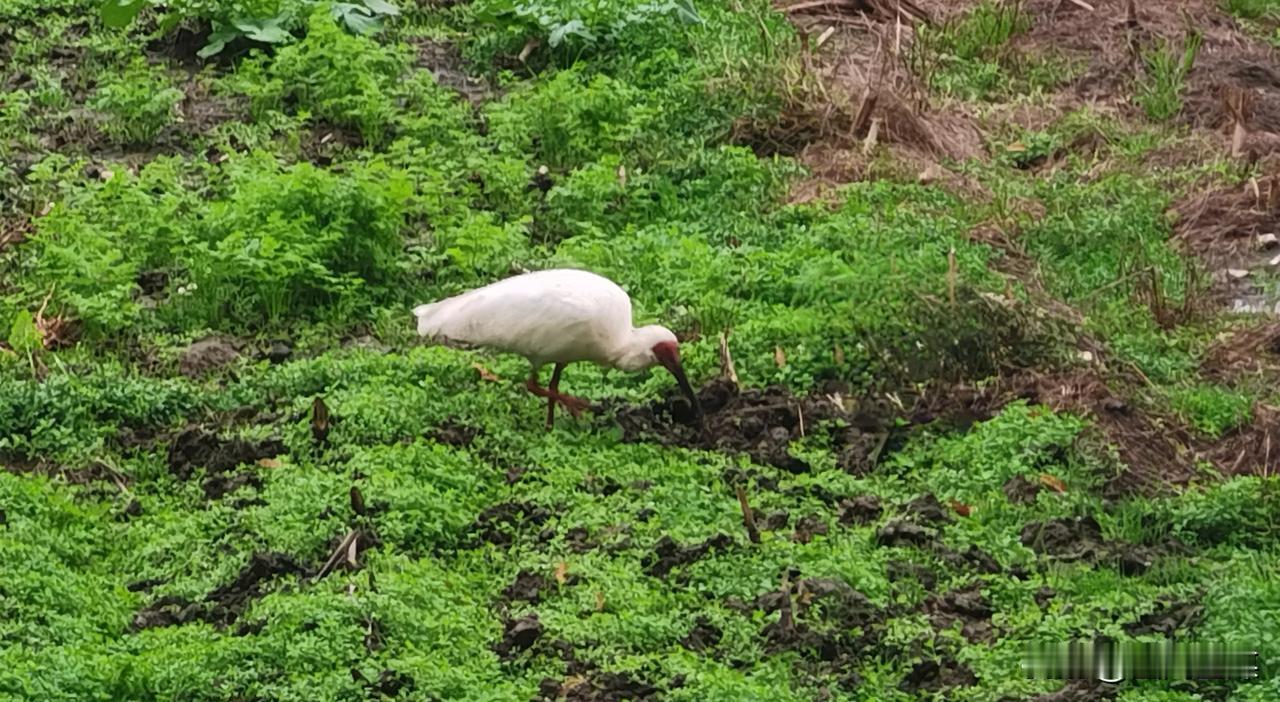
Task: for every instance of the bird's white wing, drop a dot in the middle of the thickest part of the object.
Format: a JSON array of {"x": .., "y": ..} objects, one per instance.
[{"x": 557, "y": 315}]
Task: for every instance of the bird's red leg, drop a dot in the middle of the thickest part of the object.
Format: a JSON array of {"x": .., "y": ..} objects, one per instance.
[
  {"x": 575, "y": 405},
  {"x": 532, "y": 385}
]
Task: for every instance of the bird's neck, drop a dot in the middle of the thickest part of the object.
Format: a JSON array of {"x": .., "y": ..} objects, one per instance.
[{"x": 632, "y": 354}]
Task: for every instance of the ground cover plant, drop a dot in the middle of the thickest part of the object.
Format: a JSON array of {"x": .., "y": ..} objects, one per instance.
[{"x": 979, "y": 298}]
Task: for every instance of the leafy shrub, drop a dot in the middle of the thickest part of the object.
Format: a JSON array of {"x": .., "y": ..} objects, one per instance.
[
  {"x": 576, "y": 117},
  {"x": 343, "y": 79},
  {"x": 293, "y": 241},
  {"x": 1212, "y": 409},
  {"x": 572, "y": 31},
  {"x": 264, "y": 21},
  {"x": 136, "y": 104}
]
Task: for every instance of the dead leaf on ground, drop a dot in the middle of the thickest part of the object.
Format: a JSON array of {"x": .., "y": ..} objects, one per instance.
[
  {"x": 485, "y": 373},
  {"x": 1052, "y": 482},
  {"x": 562, "y": 572}
]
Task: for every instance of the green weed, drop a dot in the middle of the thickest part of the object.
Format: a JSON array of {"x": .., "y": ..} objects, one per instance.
[
  {"x": 137, "y": 104},
  {"x": 1160, "y": 92},
  {"x": 1212, "y": 409}
]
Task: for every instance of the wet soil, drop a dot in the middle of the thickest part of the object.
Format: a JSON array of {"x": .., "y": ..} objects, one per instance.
[
  {"x": 1170, "y": 618},
  {"x": 1072, "y": 539},
  {"x": 668, "y": 555},
  {"x": 967, "y": 606},
  {"x": 197, "y": 447},
  {"x": 208, "y": 355},
  {"x": 499, "y": 524},
  {"x": 224, "y": 604},
  {"x": 759, "y": 423}
]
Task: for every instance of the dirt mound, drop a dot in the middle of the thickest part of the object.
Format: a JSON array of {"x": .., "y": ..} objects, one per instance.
[
  {"x": 1071, "y": 539},
  {"x": 223, "y": 605},
  {"x": 1235, "y": 231},
  {"x": 1253, "y": 449},
  {"x": 599, "y": 687},
  {"x": 518, "y": 635},
  {"x": 447, "y": 66},
  {"x": 935, "y": 675},
  {"x": 762, "y": 424},
  {"x": 1169, "y": 618},
  {"x": 823, "y": 619},
  {"x": 208, "y": 355},
  {"x": 1156, "y": 451},
  {"x": 668, "y": 555},
  {"x": 1245, "y": 352},
  {"x": 497, "y": 524},
  {"x": 853, "y": 97},
  {"x": 197, "y": 447},
  {"x": 967, "y": 606}
]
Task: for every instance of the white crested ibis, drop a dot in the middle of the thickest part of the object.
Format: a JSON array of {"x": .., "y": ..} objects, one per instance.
[{"x": 556, "y": 316}]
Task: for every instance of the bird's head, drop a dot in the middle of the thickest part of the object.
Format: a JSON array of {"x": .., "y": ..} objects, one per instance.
[{"x": 657, "y": 345}]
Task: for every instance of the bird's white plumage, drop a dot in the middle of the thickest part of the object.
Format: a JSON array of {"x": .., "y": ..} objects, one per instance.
[{"x": 559, "y": 316}]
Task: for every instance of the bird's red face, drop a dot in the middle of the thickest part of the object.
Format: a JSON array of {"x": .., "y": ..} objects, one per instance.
[{"x": 668, "y": 354}]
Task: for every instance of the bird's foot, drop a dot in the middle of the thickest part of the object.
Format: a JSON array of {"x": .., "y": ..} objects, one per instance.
[{"x": 574, "y": 405}]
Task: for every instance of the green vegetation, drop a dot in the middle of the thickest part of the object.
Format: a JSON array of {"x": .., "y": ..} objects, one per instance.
[
  {"x": 232, "y": 471},
  {"x": 1160, "y": 92}
]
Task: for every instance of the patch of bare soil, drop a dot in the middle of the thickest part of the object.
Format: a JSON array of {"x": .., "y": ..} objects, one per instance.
[
  {"x": 202, "y": 110},
  {"x": 1244, "y": 353},
  {"x": 1071, "y": 539},
  {"x": 1111, "y": 41},
  {"x": 224, "y": 604},
  {"x": 13, "y": 231},
  {"x": 229, "y": 463},
  {"x": 1156, "y": 451},
  {"x": 208, "y": 355},
  {"x": 854, "y": 97},
  {"x": 326, "y": 143},
  {"x": 445, "y": 62},
  {"x": 760, "y": 423},
  {"x": 1253, "y": 449},
  {"x": 1236, "y": 232}
]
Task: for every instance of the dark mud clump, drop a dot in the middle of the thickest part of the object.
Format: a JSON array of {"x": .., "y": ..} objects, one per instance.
[
  {"x": 1021, "y": 491},
  {"x": 497, "y": 524},
  {"x": 901, "y": 532},
  {"x": 823, "y": 619},
  {"x": 198, "y": 448},
  {"x": 229, "y": 464},
  {"x": 759, "y": 423},
  {"x": 453, "y": 433},
  {"x": 599, "y": 687},
  {"x": 1080, "y": 691},
  {"x": 859, "y": 510},
  {"x": 702, "y": 636},
  {"x": 936, "y": 675},
  {"x": 223, "y": 605},
  {"x": 208, "y": 355},
  {"x": 918, "y": 526},
  {"x": 668, "y": 555},
  {"x": 927, "y": 510},
  {"x": 389, "y": 683},
  {"x": 518, "y": 635},
  {"x": 528, "y": 587},
  {"x": 809, "y": 526},
  {"x": 1170, "y": 617},
  {"x": 967, "y": 606},
  {"x": 1072, "y": 539}
]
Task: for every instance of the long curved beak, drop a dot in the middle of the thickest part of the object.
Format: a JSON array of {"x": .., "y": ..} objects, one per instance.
[{"x": 678, "y": 371}]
